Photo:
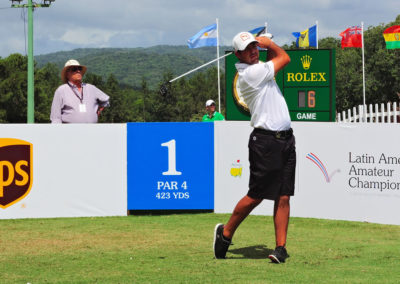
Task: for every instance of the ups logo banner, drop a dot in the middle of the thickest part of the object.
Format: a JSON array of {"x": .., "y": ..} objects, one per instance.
[{"x": 15, "y": 170}]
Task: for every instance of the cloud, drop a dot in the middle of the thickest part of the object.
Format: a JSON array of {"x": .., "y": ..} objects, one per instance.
[
  {"x": 13, "y": 45},
  {"x": 71, "y": 24},
  {"x": 248, "y": 9},
  {"x": 88, "y": 36}
]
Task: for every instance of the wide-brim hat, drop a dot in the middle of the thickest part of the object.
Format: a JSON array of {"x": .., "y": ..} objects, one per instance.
[
  {"x": 68, "y": 64},
  {"x": 242, "y": 40}
]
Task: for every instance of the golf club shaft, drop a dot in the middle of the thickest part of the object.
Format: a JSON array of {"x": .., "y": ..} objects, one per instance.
[{"x": 197, "y": 68}]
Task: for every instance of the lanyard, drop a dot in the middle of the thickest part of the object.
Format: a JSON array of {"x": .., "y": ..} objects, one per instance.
[{"x": 75, "y": 92}]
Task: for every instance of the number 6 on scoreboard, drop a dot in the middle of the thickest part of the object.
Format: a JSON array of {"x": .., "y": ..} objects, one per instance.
[{"x": 311, "y": 99}]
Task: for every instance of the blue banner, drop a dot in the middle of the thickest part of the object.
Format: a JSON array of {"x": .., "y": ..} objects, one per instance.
[{"x": 170, "y": 166}]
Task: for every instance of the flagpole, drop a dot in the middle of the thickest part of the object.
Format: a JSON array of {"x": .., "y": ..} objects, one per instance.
[
  {"x": 219, "y": 87},
  {"x": 316, "y": 23},
  {"x": 363, "y": 68}
]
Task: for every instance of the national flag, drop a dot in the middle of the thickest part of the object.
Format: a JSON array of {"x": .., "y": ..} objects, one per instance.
[
  {"x": 205, "y": 37},
  {"x": 306, "y": 38},
  {"x": 257, "y": 31},
  {"x": 351, "y": 37},
  {"x": 392, "y": 37}
]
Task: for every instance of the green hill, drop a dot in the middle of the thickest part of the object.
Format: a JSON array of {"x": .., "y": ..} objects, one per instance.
[{"x": 130, "y": 65}]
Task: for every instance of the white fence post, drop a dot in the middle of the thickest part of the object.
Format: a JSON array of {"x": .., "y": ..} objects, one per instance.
[
  {"x": 371, "y": 114},
  {"x": 368, "y": 114},
  {"x": 382, "y": 113}
]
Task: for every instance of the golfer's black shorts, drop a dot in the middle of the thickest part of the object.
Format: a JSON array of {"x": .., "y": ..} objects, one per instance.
[{"x": 272, "y": 157}]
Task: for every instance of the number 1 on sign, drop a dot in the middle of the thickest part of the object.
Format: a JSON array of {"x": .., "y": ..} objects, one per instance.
[{"x": 171, "y": 159}]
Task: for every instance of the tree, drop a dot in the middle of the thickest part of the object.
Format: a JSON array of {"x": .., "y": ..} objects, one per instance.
[
  {"x": 94, "y": 79},
  {"x": 115, "y": 112},
  {"x": 382, "y": 66},
  {"x": 135, "y": 100},
  {"x": 382, "y": 71},
  {"x": 145, "y": 91},
  {"x": 13, "y": 89},
  {"x": 163, "y": 107},
  {"x": 46, "y": 83}
]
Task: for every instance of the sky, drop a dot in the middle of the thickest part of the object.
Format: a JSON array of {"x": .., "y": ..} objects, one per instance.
[{"x": 70, "y": 24}]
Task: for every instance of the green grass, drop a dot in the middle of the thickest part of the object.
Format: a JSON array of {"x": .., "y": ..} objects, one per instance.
[{"x": 178, "y": 249}]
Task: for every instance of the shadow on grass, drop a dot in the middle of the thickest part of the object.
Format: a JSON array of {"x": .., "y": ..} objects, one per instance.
[{"x": 252, "y": 252}]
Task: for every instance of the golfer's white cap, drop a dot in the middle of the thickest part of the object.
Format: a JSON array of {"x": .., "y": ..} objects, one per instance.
[
  {"x": 242, "y": 40},
  {"x": 209, "y": 102}
]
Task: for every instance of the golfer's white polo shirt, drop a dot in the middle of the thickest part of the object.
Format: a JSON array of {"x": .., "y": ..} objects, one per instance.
[{"x": 262, "y": 95}]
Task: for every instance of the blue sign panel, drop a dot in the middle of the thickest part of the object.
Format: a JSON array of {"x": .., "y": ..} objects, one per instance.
[{"x": 170, "y": 165}]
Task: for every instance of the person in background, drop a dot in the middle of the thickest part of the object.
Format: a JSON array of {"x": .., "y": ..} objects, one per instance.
[
  {"x": 272, "y": 152},
  {"x": 212, "y": 114},
  {"x": 75, "y": 101}
]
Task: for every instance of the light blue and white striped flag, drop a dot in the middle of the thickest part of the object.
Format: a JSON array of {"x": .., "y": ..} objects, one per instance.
[{"x": 205, "y": 37}]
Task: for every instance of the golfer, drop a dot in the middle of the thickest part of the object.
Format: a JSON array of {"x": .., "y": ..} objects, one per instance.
[{"x": 272, "y": 153}]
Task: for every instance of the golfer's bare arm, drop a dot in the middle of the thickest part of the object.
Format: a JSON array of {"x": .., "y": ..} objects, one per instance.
[{"x": 275, "y": 53}]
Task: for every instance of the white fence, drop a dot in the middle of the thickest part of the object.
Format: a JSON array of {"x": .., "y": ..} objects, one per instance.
[{"x": 371, "y": 114}]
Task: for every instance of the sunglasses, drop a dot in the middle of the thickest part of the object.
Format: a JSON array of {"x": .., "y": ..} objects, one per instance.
[{"x": 75, "y": 68}]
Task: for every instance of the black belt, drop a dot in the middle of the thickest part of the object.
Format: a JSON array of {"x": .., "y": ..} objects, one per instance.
[{"x": 278, "y": 134}]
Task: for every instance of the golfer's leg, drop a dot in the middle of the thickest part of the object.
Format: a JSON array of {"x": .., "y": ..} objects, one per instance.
[
  {"x": 281, "y": 219},
  {"x": 241, "y": 211}
]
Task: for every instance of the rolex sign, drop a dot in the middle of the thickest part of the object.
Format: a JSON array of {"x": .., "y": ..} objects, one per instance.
[{"x": 307, "y": 83}]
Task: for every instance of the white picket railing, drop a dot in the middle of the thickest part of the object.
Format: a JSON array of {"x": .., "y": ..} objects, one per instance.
[{"x": 371, "y": 114}]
